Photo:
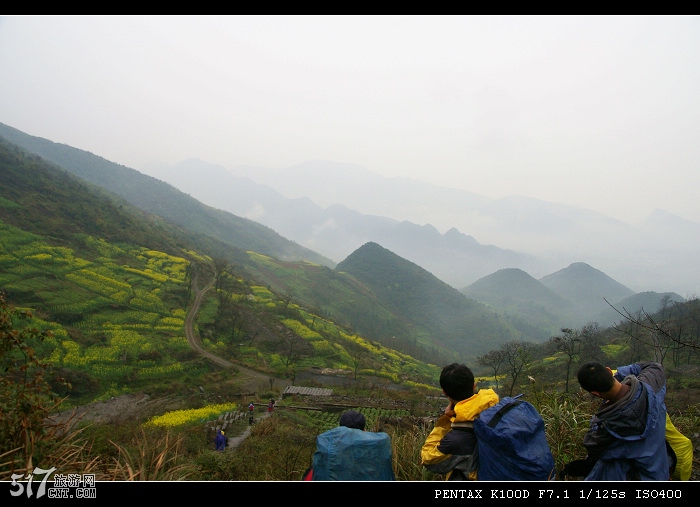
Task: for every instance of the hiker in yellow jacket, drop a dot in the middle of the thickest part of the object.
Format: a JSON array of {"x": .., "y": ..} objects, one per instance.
[
  {"x": 451, "y": 444},
  {"x": 683, "y": 449}
]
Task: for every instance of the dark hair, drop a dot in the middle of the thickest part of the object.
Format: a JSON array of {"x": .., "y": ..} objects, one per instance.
[
  {"x": 593, "y": 376},
  {"x": 457, "y": 380},
  {"x": 353, "y": 419}
]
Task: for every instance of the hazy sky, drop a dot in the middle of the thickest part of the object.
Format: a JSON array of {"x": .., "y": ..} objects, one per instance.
[{"x": 597, "y": 111}]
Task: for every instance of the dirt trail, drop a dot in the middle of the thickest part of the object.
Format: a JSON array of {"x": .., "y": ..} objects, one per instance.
[
  {"x": 192, "y": 338},
  {"x": 236, "y": 440}
]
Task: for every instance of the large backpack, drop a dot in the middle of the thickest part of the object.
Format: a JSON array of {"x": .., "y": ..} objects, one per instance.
[
  {"x": 679, "y": 449},
  {"x": 512, "y": 445},
  {"x": 349, "y": 454}
]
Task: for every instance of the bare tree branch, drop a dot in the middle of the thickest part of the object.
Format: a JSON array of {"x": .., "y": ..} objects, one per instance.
[{"x": 655, "y": 329}]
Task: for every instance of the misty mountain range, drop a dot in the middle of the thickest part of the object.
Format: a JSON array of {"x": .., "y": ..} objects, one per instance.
[
  {"x": 336, "y": 231},
  {"x": 568, "y": 297},
  {"x": 334, "y": 208},
  {"x": 657, "y": 253}
]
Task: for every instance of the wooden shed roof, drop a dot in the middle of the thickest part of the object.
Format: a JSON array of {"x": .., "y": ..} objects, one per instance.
[{"x": 309, "y": 391}]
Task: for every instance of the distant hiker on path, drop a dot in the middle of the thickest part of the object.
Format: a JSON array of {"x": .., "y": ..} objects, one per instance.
[
  {"x": 271, "y": 406},
  {"x": 251, "y": 408},
  {"x": 220, "y": 441}
]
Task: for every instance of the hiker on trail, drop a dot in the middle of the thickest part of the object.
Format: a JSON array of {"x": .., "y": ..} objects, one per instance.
[
  {"x": 349, "y": 453},
  {"x": 450, "y": 446},
  {"x": 271, "y": 405},
  {"x": 251, "y": 408},
  {"x": 220, "y": 441},
  {"x": 626, "y": 440}
]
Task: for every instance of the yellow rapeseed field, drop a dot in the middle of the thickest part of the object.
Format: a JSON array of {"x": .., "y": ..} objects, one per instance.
[{"x": 182, "y": 417}]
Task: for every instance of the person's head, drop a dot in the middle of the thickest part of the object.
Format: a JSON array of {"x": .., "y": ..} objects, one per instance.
[
  {"x": 457, "y": 381},
  {"x": 595, "y": 378},
  {"x": 353, "y": 419}
]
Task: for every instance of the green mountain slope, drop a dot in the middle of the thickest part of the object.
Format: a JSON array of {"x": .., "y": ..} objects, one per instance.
[
  {"x": 586, "y": 287},
  {"x": 439, "y": 313},
  {"x": 51, "y": 202},
  {"x": 161, "y": 199},
  {"x": 520, "y": 296}
]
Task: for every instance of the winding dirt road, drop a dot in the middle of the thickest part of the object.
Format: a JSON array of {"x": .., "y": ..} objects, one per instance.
[
  {"x": 194, "y": 341},
  {"x": 192, "y": 338}
]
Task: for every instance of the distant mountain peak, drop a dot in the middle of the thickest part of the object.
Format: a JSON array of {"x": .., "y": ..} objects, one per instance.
[{"x": 586, "y": 287}]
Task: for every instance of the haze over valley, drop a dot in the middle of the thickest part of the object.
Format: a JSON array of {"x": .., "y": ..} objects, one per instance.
[{"x": 334, "y": 208}]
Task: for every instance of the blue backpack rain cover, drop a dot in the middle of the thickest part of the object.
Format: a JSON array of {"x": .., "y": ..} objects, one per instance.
[
  {"x": 512, "y": 445},
  {"x": 348, "y": 454}
]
